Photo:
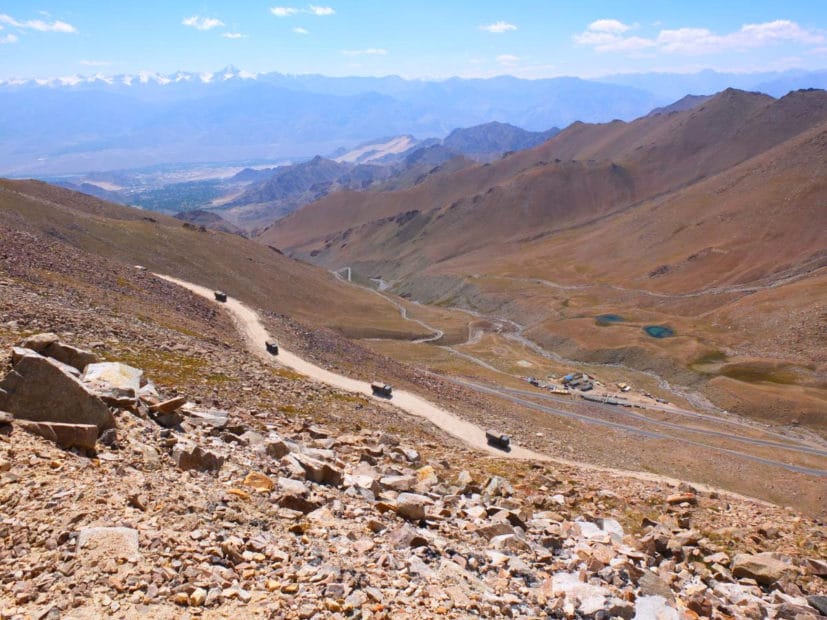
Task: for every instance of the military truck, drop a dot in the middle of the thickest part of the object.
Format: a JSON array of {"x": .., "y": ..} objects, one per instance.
[
  {"x": 498, "y": 439},
  {"x": 220, "y": 296},
  {"x": 272, "y": 347},
  {"x": 381, "y": 389}
]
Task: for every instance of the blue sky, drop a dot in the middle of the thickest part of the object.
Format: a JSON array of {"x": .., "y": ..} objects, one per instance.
[{"x": 422, "y": 39}]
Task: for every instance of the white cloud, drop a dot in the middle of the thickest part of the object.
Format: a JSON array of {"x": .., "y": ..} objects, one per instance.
[
  {"x": 498, "y": 27},
  {"x": 95, "y": 63},
  {"x": 321, "y": 10},
  {"x": 283, "y": 11},
  {"x": 608, "y": 25},
  {"x": 608, "y": 35},
  {"x": 300, "y": 30},
  {"x": 508, "y": 59},
  {"x": 202, "y": 23},
  {"x": 37, "y": 24},
  {"x": 233, "y": 35},
  {"x": 9, "y": 38},
  {"x": 371, "y": 51}
]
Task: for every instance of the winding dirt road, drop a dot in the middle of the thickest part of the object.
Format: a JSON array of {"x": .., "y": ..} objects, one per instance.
[
  {"x": 248, "y": 324},
  {"x": 254, "y": 333}
]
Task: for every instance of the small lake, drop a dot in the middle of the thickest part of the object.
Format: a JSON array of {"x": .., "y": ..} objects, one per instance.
[
  {"x": 608, "y": 319},
  {"x": 659, "y": 331}
]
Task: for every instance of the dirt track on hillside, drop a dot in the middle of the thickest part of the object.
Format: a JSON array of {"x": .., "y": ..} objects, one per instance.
[
  {"x": 255, "y": 334},
  {"x": 249, "y": 325}
]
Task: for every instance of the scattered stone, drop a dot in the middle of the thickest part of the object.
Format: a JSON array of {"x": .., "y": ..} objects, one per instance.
[
  {"x": 6, "y": 419},
  {"x": 680, "y": 498},
  {"x": 654, "y": 608},
  {"x": 765, "y": 568},
  {"x": 168, "y": 406},
  {"x": 195, "y": 457},
  {"x": 259, "y": 481},
  {"x": 412, "y": 505},
  {"x": 82, "y": 436},
  {"x": 652, "y": 585},
  {"x": 319, "y": 471}
]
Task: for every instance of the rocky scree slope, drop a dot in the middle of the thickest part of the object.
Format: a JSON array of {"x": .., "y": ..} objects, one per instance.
[{"x": 234, "y": 487}]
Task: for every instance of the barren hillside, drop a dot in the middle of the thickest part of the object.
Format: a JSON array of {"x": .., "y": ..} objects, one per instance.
[{"x": 682, "y": 219}]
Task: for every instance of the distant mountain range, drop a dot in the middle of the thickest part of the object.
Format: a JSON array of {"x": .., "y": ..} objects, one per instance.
[
  {"x": 394, "y": 163},
  {"x": 80, "y": 124}
]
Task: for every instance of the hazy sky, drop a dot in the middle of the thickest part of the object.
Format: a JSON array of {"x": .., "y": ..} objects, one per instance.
[{"x": 527, "y": 38}]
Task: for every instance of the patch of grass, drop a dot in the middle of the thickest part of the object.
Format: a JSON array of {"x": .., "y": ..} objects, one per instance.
[
  {"x": 711, "y": 357},
  {"x": 759, "y": 373},
  {"x": 286, "y": 373},
  {"x": 165, "y": 367}
]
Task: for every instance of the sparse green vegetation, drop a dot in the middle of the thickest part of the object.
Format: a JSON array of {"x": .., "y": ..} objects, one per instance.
[{"x": 760, "y": 373}]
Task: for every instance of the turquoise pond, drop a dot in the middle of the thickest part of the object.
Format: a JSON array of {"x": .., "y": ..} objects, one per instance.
[
  {"x": 659, "y": 331},
  {"x": 605, "y": 319}
]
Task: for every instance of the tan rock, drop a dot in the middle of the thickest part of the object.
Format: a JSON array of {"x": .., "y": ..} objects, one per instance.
[
  {"x": 71, "y": 356},
  {"x": 195, "y": 457},
  {"x": 168, "y": 406},
  {"x": 259, "y": 481},
  {"x": 412, "y": 505},
  {"x": 765, "y": 568},
  {"x": 39, "y": 342},
  {"x": 83, "y": 436}
]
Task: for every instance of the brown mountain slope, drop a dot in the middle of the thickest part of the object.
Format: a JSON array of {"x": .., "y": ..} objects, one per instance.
[
  {"x": 701, "y": 220},
  {"x": 253, "y": 272},
  {"x": 655, "y": 155}
]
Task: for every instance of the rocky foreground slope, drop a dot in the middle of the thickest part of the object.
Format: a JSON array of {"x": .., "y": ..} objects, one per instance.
[{"x": 220, "y": 485}]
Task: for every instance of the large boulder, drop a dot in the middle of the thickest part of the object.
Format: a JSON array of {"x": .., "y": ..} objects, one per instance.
[{"x": 40, "y": 389}]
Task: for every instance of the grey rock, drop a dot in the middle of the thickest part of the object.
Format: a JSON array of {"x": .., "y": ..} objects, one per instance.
[
  {"x": 652, "y": 585},
  {"x": 818, "y": 602},
  {"x": 214, "y": 418},
  {"x": 38, "y": 389}
]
